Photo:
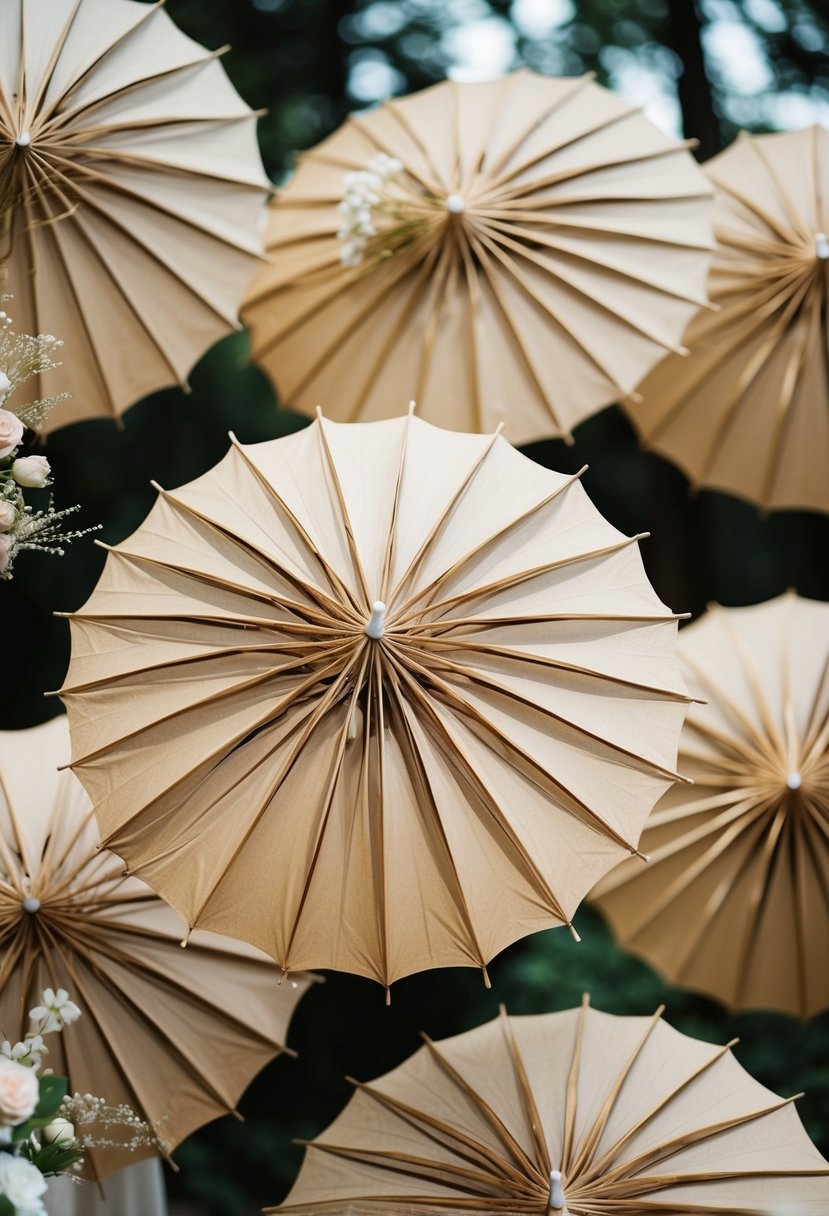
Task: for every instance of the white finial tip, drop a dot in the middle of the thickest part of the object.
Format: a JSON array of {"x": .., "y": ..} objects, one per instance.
[
  {"x": 793, "y": 781},
  {"x": 455, "y": 203},
  {"x": 376, "y": 622},
  {"x": 23, "y": 139},
  {"x": 556, "y": 1193},
  {"x": 30, "y": 904},
  {"x": 822, "y": 245}
]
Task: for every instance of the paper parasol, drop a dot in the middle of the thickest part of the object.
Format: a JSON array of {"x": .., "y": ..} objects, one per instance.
[
  {"x": 735, "y": 899},
  {"x": 176, "y": 1034},
  {"x": 130, "y": 187},
  {"x": 578, "y": 1113},
  {"x": 748, "y": 411},
  {"x": 376, "y": 697},
  {"x": 541, "y": 249}
]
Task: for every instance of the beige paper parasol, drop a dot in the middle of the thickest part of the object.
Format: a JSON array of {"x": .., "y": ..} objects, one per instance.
[
  {"x": 542, "y": 248},
  {"x": 748, "y": 411},
  {"x": 176, "y": 1034},
  {"x": 375, "y": 697},
  {"x": 130, "y": 188},
  {"x": 735, "y": 899},
  {"x": 578, "y": 1113}
]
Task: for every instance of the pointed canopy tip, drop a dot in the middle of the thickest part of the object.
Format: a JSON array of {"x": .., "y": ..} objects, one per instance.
[
  {"x": 485, "y": 974},
  {"x": 576, "y": 936},
  {"x": 412, "y": 407},
  {"x": 387, "y": 990},
  {"x": 237, "y": 1115}
]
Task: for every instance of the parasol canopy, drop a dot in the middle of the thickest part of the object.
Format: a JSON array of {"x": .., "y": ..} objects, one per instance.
[
  {"x": 175, "y": 1034},
  {"x": 130, "y": 188},
  {"x": 540, "y": 248},
  {"x": 376, "y": 697},
  {"x": 748, "y": 411},
  {"x": 579, "y": 1113},
  {"x": 735, "y": 899}
]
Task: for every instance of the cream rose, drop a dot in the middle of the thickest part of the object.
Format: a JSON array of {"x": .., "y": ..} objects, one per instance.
[
  {"x": 6, "y": 545},
  {"x": 7, "y": 515},
  {"x": 32, "y": 471},
  {"x": 11, "y": 432},
  {"x": 19, "y": 1092}
]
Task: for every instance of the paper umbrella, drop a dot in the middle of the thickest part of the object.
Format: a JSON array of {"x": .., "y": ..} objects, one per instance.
[
  {"x": 578, "y": 1113},
  {"x": 520, "y": 251},
  {"x": 130, "y": 188},
  {"x": 375, "y": 697},
  {"x": 175, "y": 1034},
  {"x": 735, "y": 898},
  {"x": 748, "y": 411}
]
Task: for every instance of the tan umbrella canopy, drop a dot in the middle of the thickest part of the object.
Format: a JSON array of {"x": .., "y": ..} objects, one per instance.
[
  {"x": 130, "y": 187},
  {"x": 735, "y": 899},
  {"x": 176, "y": 1034},
  {"x": 577, "y": 1113},
  {"x": 375, "y": 697},
  {"x": 540, "y": 250},
  {"x": 748, "y": 411}
]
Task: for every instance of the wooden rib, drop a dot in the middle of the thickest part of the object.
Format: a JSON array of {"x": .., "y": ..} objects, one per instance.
[
  {"x": 568, "y": 1148},
  {"x": 593, "y": 1134},
  {"x": 518, "y": 656},
  {"x": 507, "y": 582},
  {"x": 499, "y": 535},
  {"x": 431, "y": 539},
  {"x": 543, "y": 1163},
  {"x": 411, "y": 657},
  {"x": 420, "y": 701}
]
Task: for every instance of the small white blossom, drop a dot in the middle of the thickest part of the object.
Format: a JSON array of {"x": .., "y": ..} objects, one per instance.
[
  {"x": 362, "y": 200},
  {"x": 56, "y": 1010}
]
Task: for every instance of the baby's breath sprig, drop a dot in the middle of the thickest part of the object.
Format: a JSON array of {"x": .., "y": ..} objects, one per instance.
[{"x": 21, "y": 527}]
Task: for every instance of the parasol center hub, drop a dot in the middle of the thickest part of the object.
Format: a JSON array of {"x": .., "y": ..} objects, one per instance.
[
  {"x": 822, "y": 245},
  {"x": 30, "y": 904},
  {"x": 23, "y": 139},
  {"x": 556, "y": 1200},
  {"x": 794, "y": 780},
  {"x": 455, "y": 204},
  {"x": 376, "y": 624}
]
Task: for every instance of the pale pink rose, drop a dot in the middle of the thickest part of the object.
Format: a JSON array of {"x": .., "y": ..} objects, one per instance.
[
  {"x": 7, "y": 515},
  {"x": 32, "y": 471},
  {"x": 11, "y": 432},
  {"x": 6, "y": 544},
  {"x": 19, "y": 1092}
]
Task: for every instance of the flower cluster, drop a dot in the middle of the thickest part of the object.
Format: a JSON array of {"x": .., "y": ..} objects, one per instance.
[
  {"x": 362, "y": 202},
  {"x": 21, "y": 527},
  {"x": 36, "y": 1139},
  {"x": 43, "y": 1131}
]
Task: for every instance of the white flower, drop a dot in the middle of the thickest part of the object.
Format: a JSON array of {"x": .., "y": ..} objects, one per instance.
[
  {"x": 56, "y": 1010},
  {"x": 362, "y": 197},
  {"x": 32, "y": 471},
  {"x": 59, "y": 1131},
  {"x": 7, "y": 515},
  {"x": 22, "y": 1184},
  {"x": 5, "y": 386}
]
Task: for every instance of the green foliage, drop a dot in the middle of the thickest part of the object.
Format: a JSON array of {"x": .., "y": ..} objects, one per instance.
[{"x": 6, "y": 1208}]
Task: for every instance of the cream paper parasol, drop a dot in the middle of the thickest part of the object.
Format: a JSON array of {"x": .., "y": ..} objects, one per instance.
[
  {"x": 375, "y": 697},
  {"x": 130, "y": 188},
  {"x": 542, "y": 247},
  {"x": 735, "y": 899},
  {"x": 565, "y": 1114},
  {"x": 175, "y": 1034},
  {"x": 748, "y": 411}
]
